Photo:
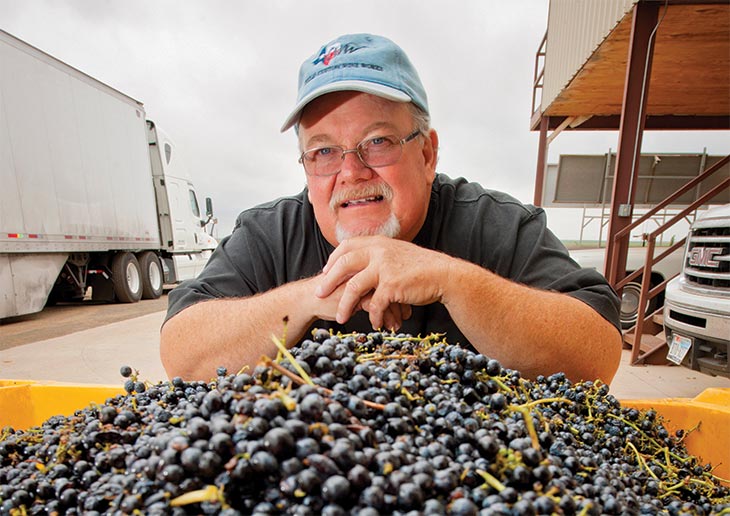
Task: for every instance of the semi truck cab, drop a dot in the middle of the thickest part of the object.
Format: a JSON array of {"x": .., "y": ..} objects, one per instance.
[{"x": 186, "y": 244}]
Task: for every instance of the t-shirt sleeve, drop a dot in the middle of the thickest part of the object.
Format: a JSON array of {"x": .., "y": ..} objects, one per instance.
[
  {"x": 246, "y": 262},
  {"x": 235, "y": 269},
  {"x": 541, "y": 260},
  {"x": 272, "y": 244}
]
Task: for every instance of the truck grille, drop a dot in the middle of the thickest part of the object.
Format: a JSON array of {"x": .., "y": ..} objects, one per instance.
[{"x": 707, "y": 262}]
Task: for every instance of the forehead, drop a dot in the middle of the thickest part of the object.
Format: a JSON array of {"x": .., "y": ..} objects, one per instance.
[{"x": 349, "y": 114}]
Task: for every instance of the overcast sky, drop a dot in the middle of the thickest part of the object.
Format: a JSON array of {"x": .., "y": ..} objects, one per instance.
[{"x": 220, "y": 77}]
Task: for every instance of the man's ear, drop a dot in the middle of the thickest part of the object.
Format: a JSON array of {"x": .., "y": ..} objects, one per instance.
[{"x": 431, "y": 150}]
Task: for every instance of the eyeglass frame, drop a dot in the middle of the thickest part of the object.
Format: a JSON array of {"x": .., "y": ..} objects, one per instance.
[{"x": 412, "y": 136}]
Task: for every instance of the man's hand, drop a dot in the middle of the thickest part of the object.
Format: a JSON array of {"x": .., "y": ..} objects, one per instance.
[
  {"x": 381, "y": 274},
  {"x": 326, "y": 307}
]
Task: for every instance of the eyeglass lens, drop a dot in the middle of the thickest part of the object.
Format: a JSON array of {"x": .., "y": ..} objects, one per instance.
[{"x": 375, "y": 152}]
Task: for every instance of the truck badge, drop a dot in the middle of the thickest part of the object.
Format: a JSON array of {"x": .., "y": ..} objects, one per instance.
[{"x": 704, "y": 256}]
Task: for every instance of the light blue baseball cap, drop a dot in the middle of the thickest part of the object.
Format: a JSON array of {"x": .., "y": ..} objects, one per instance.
[{"x": 358, "y": 62}]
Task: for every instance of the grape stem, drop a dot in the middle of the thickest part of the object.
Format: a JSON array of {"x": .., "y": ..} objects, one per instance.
[
  {"x": 292, "y": 360},
  {"x": 641, "y": 460},
  {"x": 376, "y": 357},
  {"x": 525, "y": 411},
  {"x": 210, "y": 493},
  {"x": 489, "y": 479},
  {"x": 267, "y": 361}
]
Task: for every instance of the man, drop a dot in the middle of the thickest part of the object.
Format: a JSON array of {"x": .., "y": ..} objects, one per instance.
[{"x": 379, "y": 240}]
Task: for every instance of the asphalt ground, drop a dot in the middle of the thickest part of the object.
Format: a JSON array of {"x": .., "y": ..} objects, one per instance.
[{"x": 66, "y": 318}]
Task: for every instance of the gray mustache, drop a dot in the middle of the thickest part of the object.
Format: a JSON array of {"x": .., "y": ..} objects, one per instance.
[{"x": 372, "y": 190}]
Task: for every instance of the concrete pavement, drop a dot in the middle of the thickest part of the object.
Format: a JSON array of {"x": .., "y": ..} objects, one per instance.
[{"x": 93, "y": 355}]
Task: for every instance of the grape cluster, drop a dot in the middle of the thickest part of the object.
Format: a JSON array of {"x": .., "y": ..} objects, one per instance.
[{"x": 358, "y": 424}]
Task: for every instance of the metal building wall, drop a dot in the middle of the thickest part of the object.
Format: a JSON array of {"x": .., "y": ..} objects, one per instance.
[{"x": 575, "y": 29}]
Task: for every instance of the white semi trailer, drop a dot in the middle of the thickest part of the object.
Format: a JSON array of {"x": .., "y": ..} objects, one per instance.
[{"x": 92, "y": 194}]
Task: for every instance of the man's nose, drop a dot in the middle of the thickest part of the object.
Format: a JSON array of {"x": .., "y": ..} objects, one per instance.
[{"x": 353, "y": 166}]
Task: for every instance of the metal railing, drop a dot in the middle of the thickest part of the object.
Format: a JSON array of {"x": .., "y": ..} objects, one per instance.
[
  {"x": 645, "y": 273},
  {"x": 539, "y": 74}
]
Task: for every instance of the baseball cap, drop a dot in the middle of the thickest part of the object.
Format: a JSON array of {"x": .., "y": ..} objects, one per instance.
[{"x": 358, "y": 62}]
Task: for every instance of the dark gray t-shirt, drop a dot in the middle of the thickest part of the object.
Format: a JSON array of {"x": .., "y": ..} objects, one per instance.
[{"x": 280, "y": 241}]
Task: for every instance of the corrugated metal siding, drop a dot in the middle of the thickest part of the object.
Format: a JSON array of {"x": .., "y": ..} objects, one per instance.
[{"x": 575, "y": 29}]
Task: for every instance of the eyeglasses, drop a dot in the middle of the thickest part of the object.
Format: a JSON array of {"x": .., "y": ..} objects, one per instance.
[{"x": 379, "y": 151}]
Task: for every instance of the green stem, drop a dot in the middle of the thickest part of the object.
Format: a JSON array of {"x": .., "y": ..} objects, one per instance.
[
  {"x": 545, "y": 400},
  {"x": 641, "y": 461},
  {"x": 292, "y": 360},
  {"x": 529, "y": 423},
  {"x": 492, "y": 481}
]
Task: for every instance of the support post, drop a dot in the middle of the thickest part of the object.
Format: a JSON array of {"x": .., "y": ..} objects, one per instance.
[
  {"x": 633, "y": 117},
  {"x": 541, "y": 157}
]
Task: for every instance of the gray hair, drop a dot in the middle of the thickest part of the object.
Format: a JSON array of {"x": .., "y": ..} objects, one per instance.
[{"x": 421, "y": 119}]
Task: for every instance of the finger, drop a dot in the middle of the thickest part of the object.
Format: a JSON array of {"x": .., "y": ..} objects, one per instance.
[
  {"x": 388, "y": 318},
  {"x": 406, "y": 311},
  {"x": 393, "y": 317},
  {"x": 356, "y": 288},
  {"x": 328, "y": 284},
  {"x": 397, "y": 313},
  {"x": 383, "y": 311},
  {"x": 388, "y": 321},
  {"x": 365, "y": 302},
  {"x": 336, "y": 254},
  {"x": 339, "y": 272},
  {"x": 345, "y": 247}
]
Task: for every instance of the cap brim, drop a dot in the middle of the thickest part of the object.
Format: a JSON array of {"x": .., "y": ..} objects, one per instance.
[{"x": 366, "y": 87}]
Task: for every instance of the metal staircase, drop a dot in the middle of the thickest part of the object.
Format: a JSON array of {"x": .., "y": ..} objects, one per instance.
[{"x": 651, "y": 346}]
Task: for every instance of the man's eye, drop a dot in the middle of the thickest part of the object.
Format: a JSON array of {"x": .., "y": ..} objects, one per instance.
[
  {"x": 323, "y": 152},
  {"x": 380, "y": 142}
]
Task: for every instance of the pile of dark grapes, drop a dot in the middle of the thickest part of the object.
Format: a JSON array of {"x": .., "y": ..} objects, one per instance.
[{"x": 358, "y": 424}]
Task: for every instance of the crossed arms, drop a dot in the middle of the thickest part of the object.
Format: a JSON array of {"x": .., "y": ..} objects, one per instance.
[{"x": 535, "y": 331}]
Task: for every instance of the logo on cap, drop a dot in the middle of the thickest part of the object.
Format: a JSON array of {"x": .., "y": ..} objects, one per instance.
[{"x": 327, "y": 53}]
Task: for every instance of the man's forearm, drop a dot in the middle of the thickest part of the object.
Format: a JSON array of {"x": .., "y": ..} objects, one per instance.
[
  {"x": 232, "y": 332},
  {"x": 534, "y": 331}
]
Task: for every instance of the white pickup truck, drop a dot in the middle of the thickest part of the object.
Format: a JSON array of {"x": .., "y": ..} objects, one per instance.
[{"x": 697, "y": 303}]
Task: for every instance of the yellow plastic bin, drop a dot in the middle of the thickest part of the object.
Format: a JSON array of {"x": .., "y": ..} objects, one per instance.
[
  {"x": 710, "y": 413},
  {"x": 25, "y": 403}
]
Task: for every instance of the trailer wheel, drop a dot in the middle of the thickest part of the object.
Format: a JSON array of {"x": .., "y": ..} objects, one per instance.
[
  {"x": 149, "y": 262},
  {"x": 127, "y": 278}
]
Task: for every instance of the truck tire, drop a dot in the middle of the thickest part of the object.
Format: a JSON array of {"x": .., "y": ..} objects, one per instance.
[
  {"x": 152, "y": 282},
  {"x": 630, "y": 305},
  {"x": 127, "y": 278}
]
